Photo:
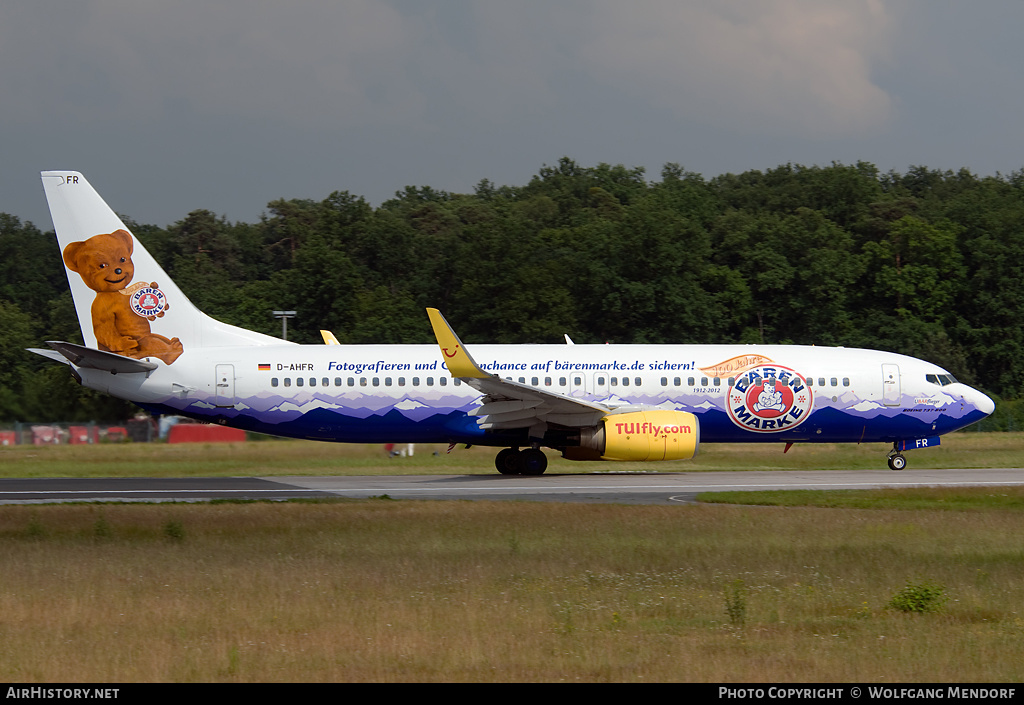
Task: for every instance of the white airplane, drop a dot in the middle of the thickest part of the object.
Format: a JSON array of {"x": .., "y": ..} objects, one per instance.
[{"x": 145, "y": 342}]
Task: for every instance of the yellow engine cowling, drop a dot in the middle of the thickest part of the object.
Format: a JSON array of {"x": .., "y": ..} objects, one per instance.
[{"x": 656, "y": 434}]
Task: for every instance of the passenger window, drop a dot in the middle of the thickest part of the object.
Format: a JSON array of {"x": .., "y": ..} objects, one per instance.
[
  {"x": 821, "y": 381},
  {"x": 636, "y": 381},
  {"x": 664, "y": 381},
  {"x": 846, "y": 381},
  {"x": 298, "y": 381},
  {"x": 689, "y": 381},
  {"x": 273, "y": 382},
  {"x": 625, "y": 381},
  {"x": 287, "y": 381},
  {"x": 677, "y": 382},
  {"x": 387, "y": 381},
  {"x": 430, "y": 381},
  {"x": 614, "y": 381},
  {"x": 835, "y": 382},
  {"x": 362, "y": 381},
  {"x": 443, "y": 381},
  {"x": 415, "y": 381}
]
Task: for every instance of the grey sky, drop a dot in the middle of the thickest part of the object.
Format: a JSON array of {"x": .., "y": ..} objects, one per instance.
[{"x": 168, "y": 107}]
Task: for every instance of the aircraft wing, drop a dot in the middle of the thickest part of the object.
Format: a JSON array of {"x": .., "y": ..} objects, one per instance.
[{"x": 509, "y": 404}]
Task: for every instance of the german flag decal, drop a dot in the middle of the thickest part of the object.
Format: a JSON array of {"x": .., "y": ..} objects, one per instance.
[{"x": 264, "y": 367}]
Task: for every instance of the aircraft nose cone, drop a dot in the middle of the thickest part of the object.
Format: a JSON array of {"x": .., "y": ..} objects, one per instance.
[
  {"x": 984, "y": 403},
  {"x": 980, "y": 401}
]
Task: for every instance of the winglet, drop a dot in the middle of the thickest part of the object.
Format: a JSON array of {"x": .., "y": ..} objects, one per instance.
[
  {"x": 328, "y": 337},
  {"x": 458, "y": 360}
]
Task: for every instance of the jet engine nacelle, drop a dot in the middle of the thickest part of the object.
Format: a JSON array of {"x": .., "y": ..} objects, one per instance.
[{"x": 656, "y": 434}]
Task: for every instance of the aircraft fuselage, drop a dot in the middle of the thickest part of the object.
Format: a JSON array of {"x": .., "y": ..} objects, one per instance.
[{"x": 405, "y": 393}]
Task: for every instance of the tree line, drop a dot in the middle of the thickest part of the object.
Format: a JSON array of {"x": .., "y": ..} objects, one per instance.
[{"x": 928, "y": 263}]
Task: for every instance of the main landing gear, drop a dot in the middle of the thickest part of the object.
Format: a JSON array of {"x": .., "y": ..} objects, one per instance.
[
  {"x": 896, "y": 460},
  {"x": 529, "y": 461}
]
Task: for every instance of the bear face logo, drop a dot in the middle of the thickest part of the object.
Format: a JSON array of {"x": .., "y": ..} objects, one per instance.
[
  {"x": 769, "y": 399},
  {"x": 103, "y": 261},
  {"x": 121, "y": 314}
]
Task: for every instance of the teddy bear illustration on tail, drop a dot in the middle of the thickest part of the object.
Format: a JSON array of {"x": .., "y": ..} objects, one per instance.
[{"x": 121, "y": 313}]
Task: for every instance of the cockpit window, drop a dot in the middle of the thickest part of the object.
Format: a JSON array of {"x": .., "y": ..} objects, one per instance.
[{"x": 941, "y": 380}]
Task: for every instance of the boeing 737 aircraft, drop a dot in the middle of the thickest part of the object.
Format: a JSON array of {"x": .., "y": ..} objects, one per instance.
[{"x": 145, "y": 342}]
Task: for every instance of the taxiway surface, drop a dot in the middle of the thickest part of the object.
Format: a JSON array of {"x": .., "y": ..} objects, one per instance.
[{"x": 624, "y": 488}]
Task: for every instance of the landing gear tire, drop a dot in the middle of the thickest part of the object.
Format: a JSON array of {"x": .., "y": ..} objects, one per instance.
[
  {"x": 507, "y": 461},
  {"x": 897, "y": 462},
  {"x": 532, "y": 461}
]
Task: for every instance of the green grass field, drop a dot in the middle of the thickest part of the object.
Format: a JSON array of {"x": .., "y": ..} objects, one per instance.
[
  {"x": 834, "y": 587},
  {"x": 283, "y": 457},
  {"x": 381, "y": 590}
]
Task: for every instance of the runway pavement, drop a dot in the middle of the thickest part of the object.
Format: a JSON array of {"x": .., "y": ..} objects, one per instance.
[{"x": 624, "y": 488}]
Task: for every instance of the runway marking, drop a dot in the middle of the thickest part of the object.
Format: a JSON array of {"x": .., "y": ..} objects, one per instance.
[
  {"x": 548, "y": 488},
  {"x": 93, "y": 492},
  {"x": 485, "y": 487},
  {"x": 645, "y": 487}
]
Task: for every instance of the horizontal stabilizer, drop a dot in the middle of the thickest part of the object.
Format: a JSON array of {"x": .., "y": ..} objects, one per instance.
[
  {"x": 50, "y": 355},
  {"x": 113, "y": 363}
]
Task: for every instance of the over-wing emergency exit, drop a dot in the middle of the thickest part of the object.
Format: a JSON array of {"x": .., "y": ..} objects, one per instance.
[{"x": 146, "y": 342}]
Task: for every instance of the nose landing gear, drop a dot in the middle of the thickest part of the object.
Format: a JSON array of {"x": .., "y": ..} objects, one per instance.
[{"x": 896, "y": 459}]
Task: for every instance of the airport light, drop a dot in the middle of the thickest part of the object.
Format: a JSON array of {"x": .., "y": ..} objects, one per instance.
[{"x": 284, "y": 316}]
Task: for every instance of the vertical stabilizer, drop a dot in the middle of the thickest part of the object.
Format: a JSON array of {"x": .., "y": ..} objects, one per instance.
[{"x": 126, "y": 303}]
